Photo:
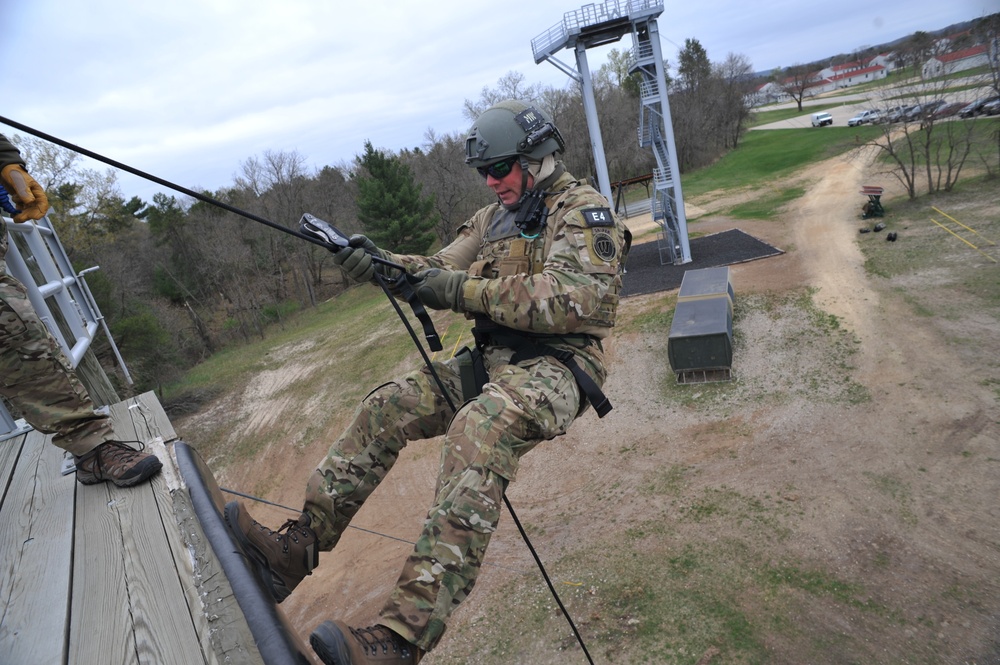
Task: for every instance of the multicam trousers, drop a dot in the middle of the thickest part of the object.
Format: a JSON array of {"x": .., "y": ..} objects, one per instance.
[
  {"x": 520, "y": 406},
  {"x": 37, "y": 378}
]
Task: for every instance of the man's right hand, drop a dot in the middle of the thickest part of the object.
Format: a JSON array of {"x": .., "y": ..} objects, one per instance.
[
  {"x": 27, "y": 194},
  {"x": 356, "y": 259}
]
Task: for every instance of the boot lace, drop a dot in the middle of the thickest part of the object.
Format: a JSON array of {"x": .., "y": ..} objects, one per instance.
[
  {"x": 375, "y": 638},
  {"x": 292, "y": 529},
  {"x": 111, "y": 452}
]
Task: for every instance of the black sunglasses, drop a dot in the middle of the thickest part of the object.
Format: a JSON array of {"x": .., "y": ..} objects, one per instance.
[{"x": 498, "y": 170}]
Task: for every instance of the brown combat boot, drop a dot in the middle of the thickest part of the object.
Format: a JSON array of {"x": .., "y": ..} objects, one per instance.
[
  {"x": 121, "y": 464},
  {"x": 281, "y": 560},
  {"x": 336, "y": 643}
]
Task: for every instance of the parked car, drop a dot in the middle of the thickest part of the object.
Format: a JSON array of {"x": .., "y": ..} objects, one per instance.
[
  {"x": 948, "y": 110},
  {"x": 869, "y": 116},
  {"x": 991, "y": 107},
  {"x": 821, "y": 119},
  {"x": 897, "y": 113},
  {"x": 923, "y": 110},
  {"x": 974, "y": 108}
]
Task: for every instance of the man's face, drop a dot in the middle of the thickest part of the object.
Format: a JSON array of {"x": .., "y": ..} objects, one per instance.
[{"x": 508, "y": 188}]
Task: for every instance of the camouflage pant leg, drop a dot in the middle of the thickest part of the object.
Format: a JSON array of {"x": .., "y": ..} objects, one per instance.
[
  {"x": 520, "y": 407},
  {"x": 36, "y": 377},
  {"x": 359, "y": 460}
]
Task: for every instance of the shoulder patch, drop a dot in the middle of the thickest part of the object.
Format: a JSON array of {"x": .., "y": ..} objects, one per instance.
[
  {"x": 598, "y": 217},
  {"x": 604, "y": 246}
]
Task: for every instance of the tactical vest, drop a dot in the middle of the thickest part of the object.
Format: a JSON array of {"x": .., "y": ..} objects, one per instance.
[{"x": 506, "y": 251}]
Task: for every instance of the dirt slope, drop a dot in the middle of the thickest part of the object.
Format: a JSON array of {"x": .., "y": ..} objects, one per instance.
[{"x": 898, "y": 491}]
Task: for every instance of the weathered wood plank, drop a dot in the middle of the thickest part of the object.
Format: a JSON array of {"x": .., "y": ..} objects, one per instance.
[
  {"x": 9, "y": 451},
  {"x": 230, "y": 636},
  {"x": 128, "y": 586},
  {"x": 164, "y": 630},
  {"x": 174, "y": 514},
  {"x": 36, "y": 533},
  {"x": 141, "y": 418},
  {"x": 100, "y": 622}
]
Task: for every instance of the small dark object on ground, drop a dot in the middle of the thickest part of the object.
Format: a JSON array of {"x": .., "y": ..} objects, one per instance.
[
  {"x": 864, "y": 229},
  {"x": 879, "y": 227},
  {"x": 891, "y": 236}
]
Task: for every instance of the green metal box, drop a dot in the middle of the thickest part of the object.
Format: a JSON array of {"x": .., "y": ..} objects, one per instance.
[
  {"x": 701, "y": 335},
  {"x": 707, "y": 283}
]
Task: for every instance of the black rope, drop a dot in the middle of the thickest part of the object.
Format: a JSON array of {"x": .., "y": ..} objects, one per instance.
[
  {"x": 160, "y": 181},
  {"x": 225, "y": 206},
  {"x": 296, "y": 510}
]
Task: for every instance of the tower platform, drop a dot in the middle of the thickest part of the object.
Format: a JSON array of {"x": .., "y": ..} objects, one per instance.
[{"x": 101, "y": 574}]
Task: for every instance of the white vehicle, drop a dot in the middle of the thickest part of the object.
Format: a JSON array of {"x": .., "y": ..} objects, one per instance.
[
  {"x": 821, "y": 119},
  {"x": 869, "y": 116}
]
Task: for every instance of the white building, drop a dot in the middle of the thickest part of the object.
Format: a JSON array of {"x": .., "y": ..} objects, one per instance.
[{"x": 956, "y": 61}]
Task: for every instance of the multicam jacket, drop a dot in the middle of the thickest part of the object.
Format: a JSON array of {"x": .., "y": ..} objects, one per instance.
[{"x": 565, "y": 281}]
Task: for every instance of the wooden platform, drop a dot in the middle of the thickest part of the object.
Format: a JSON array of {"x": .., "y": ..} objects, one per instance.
[{"x": 99, "y": 574}]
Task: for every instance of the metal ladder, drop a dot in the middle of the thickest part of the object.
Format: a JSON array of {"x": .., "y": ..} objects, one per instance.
[{"x": 61, "y": 298}]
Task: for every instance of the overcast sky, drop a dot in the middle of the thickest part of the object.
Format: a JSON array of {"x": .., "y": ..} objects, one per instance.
[{"x": 189, "y": 89}]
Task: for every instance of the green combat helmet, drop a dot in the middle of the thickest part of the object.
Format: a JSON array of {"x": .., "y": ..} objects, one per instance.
[{"x": 508, "y": 129}]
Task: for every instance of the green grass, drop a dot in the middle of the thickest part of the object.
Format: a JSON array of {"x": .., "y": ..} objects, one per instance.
[
  {"x": 766, "y": 156},
  {"x": 339, "y": 350},
  {"x": 767, "y": 205},
  {"x": 936, "y": 273},
  {"x": 656, "y": 595},
  {"x": 343, "y": 320}
]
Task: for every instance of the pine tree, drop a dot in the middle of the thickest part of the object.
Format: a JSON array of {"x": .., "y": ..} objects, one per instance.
[{"x": 390, "y": 206}]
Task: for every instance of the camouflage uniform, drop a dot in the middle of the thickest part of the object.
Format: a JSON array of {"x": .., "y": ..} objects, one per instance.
[
  {"x": 562, "y": 284},
  {"x": 35, "y": 375}
]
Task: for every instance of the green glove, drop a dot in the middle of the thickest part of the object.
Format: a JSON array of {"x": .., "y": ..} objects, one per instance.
[
  {"x": 440, "y": 289},
  {"x": 356, "y": 259}
]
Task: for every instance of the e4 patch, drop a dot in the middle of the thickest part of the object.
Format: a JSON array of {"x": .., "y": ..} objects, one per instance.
[{"x": 595, "y": 217}]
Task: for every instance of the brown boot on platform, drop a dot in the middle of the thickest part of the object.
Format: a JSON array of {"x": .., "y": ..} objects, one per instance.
[
  {"x": 121, "y": 464},
  {"x": 281, "y": 558},
  {"x": 336, "y": 643}
]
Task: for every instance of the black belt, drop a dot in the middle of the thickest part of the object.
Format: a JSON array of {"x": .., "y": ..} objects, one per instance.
[{"x": 527, "y": 346}]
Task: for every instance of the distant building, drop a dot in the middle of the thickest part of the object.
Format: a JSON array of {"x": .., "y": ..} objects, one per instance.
[
  {"x": 858, "y": 76},
  {"x": 835, "y": 71},
  {"x": 768, "y": 93},
  {"x": 887, "y": 60},
  {"x": 956, "y": 61}
]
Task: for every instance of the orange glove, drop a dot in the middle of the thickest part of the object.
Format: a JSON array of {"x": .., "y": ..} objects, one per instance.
[{"x": 26, "y": 193}]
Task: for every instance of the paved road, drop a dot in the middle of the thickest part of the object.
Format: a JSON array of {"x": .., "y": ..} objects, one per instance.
[{"x": 849, "y": 104}]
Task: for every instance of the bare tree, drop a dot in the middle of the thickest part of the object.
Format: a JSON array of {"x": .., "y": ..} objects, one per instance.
[
  {"x": 441, "y": 170},
  {"x": 734, "y": 80},
  {"x": 797, "y": 81},
  {"x": 509, "y": 86},
  {"x": 921, "y": 146},
  {"x": 274, "y": 187}
]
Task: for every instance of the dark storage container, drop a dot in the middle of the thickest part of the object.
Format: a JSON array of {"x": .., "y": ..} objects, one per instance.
[
  {"x": 701, "y": 336},
  {"x": 707, "y": 283}
]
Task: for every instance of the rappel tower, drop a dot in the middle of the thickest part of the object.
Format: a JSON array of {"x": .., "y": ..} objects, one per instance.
[{"x": 595, "y": 25}]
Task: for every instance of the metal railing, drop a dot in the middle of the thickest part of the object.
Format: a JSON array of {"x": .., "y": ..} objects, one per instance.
[
  {"x": 590, "y": 15},
  {"x": 61, "y": 298}
]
